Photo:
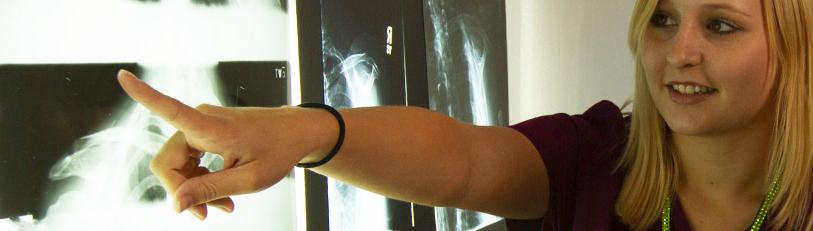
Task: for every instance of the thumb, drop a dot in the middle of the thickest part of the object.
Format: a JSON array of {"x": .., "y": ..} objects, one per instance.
[{"x": 214, "y": 186}]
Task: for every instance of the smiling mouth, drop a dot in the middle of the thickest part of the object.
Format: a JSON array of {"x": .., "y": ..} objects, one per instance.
[{"x": 691, "y": 89}]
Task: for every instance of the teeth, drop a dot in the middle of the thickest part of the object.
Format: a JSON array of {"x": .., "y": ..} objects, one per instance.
[{"x": 691, "y": 89}]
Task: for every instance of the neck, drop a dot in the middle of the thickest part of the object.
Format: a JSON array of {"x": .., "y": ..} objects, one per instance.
[{"x": 729, "y": 165}]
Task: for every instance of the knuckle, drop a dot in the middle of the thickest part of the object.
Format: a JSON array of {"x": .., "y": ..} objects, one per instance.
[
  {"x": 207, "y": 191},
  {"x": 254, "y": 181},
  {"x": 174, "y": 113},
  {"x": 254, "y": 185},
  {"x": 206, "y": 108},
  {"x": 155, "y": 165},
  {"x": 203, "y": 106}
]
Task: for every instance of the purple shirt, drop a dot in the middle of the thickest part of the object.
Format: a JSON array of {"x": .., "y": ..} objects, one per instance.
[{"x": 581, "y": 153}]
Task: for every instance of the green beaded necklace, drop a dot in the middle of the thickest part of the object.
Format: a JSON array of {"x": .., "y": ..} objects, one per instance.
[{"x": 666, "y": 214}]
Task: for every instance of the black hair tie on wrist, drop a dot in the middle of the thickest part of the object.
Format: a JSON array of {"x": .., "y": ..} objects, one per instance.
[{"x": 338, "y": 145}]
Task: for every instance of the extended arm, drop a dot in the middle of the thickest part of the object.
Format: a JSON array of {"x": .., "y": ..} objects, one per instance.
[{"x": 405, "y": 153}]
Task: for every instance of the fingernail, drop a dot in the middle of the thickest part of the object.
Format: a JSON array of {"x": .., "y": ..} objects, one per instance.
[
  {"x": 224, "y": 208},
  {"x": 182, "y": 204},
  {"x": 196, "y": 215},
  {"x": 125, "y": 72}
]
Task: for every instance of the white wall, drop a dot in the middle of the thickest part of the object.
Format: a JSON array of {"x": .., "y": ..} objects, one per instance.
[{"x": 566, "y": 55}]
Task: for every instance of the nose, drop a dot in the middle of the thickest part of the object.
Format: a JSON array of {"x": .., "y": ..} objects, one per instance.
[{"x": 686, "y": 51}]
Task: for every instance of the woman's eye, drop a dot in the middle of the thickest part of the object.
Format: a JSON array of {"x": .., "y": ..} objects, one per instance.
[
  {"x": 721, "y": 27},
  {"x": 661, "y": 20}
]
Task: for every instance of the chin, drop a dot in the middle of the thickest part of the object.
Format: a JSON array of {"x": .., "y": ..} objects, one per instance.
[
  {"x": 686, "y": 130},
  {"x": 692, "y": 122},
  {"x": 690, "y": 127}
]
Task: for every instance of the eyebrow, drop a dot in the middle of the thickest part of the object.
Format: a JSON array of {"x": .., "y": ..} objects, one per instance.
[{"x": 724, "y": 6}]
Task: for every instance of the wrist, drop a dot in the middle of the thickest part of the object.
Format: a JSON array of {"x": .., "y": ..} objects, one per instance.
[{"x": 325, "y": 133}]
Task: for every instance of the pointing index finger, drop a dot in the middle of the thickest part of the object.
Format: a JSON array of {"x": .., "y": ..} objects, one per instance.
[{"x": 173, "y": 111}]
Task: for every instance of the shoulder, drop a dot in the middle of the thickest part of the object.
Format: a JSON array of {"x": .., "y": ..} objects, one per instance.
[
  {"x": 580, "y": 152},
  {"x": 601, "y": 114},
  {"x": 603, "y": 127},
  {"x": 601, "y": 122}
]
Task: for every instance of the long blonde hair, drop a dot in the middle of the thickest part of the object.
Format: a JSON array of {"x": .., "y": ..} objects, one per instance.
[{"x": 650, "y": 164}]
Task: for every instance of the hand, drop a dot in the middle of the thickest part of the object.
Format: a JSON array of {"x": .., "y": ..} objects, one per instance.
[{"x": 256, "y": 144}]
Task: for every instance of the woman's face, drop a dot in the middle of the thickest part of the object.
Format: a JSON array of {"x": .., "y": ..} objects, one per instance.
[{"x": 706, "y": 63}]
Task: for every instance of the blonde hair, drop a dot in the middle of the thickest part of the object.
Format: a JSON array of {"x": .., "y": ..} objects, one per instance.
[{"x": 650, "y": 164}]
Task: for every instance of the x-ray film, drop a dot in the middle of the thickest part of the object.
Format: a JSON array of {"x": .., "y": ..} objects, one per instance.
[
  {"x": 467, "y": 76},
  {"x": 75, "y": 151},
  {"x": 362, "y": 56},
  {"x": 80, "y": 158},
  {"x": 349, "y": 57}
]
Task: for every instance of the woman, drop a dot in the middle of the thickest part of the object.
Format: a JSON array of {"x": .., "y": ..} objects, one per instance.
[{"x": 719, "y": 137}]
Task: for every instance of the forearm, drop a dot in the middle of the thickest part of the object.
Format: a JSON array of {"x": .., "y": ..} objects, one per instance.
[{"x": 406, "y": 153}]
